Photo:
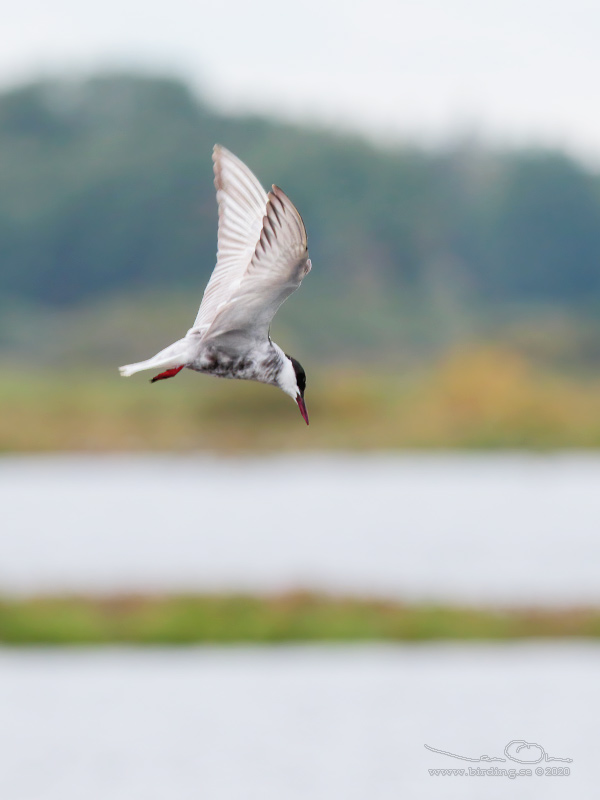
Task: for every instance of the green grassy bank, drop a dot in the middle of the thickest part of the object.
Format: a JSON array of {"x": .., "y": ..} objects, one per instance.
[{"x": 295, "y": 617}]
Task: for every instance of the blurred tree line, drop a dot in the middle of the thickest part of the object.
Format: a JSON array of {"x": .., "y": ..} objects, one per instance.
[{"x": 106, "y": 188}]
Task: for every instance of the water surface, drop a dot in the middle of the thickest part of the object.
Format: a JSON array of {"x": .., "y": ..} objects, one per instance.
[
  {"x": 300, "y": 723},
  {"x": 476, "y": 528}
]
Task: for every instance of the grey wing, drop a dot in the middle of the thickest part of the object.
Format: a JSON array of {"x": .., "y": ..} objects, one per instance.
[
  {"x": 242, "y": 206},
  {"x": 279, "y": 264}
]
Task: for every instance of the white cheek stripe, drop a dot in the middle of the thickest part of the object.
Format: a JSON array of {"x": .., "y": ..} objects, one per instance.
[{"x": 287, "y": 378}]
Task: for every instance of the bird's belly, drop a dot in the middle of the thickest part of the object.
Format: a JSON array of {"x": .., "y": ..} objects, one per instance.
[{"x": 224, "y": 365}]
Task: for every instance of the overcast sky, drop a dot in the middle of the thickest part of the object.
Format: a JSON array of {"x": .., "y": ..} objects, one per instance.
[{"x": 514, "y": 71}]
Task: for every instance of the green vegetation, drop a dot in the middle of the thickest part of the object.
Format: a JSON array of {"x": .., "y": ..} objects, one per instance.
[
  {"x": 477, "y": 398},
  {"x": 294, "y": 617},
  {"x": 107, "y": 190},
  {"x": 464, "y": 283}
]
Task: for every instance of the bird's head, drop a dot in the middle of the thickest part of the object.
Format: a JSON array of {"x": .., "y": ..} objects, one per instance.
[{"x": 292, "y": 379}]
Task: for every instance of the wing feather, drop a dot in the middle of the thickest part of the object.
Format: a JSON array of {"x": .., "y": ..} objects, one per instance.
[
  {"x": 242, "y": 206},
  {"x": 279, "y": 263}
]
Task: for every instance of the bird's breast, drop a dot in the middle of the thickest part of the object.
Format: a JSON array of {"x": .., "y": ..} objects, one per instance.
[
  {"x": 248, "y": 365},
  {"x": 223, "y": 365}
]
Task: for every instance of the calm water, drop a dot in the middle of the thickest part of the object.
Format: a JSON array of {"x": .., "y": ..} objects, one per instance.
[
  {"x": 301, "y": 723},
  {"x": 511, "y": 528}
]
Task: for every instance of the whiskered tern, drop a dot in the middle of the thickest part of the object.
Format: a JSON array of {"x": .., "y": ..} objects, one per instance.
[{"x": 262, "y": 258}]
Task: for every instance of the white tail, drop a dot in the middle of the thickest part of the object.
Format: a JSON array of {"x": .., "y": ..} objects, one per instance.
[
  {"x": 173, "y": 356},
  {"x": 130, "y": 369}
]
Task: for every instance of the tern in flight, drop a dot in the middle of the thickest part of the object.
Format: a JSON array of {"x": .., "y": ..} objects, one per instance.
[{"x": 262, "y": 258}]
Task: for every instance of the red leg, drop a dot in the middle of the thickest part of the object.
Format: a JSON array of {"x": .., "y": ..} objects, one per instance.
[{"x": 170, "y": 373}]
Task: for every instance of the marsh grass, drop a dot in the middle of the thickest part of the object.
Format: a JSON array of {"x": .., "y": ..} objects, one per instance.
[
  {"x": 485, "y": 397},
  {"x": 293, "y": 617}
]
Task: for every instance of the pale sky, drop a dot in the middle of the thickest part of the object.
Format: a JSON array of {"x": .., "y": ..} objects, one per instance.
[{"x": 510, "y": 71}]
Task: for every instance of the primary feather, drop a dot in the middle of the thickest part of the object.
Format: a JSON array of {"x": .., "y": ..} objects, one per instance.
[
  {"x": 242, "y": 204},
  {"x": 276, "y": 269}
]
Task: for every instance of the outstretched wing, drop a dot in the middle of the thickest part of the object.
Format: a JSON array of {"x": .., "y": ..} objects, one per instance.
[
  {"x": 278, "y": 265},
  {"x": 242, "y": 206}
]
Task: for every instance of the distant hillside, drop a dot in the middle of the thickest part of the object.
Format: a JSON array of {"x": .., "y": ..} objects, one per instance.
[{"x": 106, "y": 189}]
